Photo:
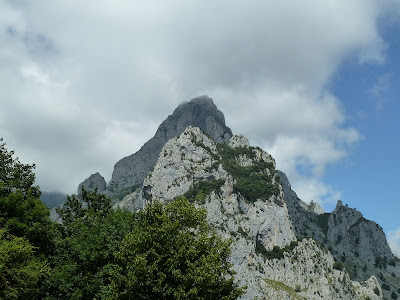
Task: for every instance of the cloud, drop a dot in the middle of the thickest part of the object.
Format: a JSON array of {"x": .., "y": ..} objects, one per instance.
[
  {"x": 394, "y": 241},
  {"x": 380, "y": 89},
  {"x": 87, "y": 83},
  {"x": 304, "y": 133}
]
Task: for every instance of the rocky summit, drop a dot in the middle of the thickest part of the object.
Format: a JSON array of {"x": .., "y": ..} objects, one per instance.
[
  {"x": 283, "y": 247},
  {"x": 201, "y": 112}
]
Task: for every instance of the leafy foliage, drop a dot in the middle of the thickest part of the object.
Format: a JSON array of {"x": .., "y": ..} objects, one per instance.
[
  {"x": 200, "y": 190},
  {"x": 173, "y": 254},
  {"x": 276, "y": 251},
  {"x": 15, "y": 175},
  {"x": 252, "y": 182},
  {"x": 20, "y": 270},
  {"x": 22, "y": 213},
  {"x": 26, "y": 216},
  {"x": 88, "y": 238},
  {"x": 338, "y": 266}
]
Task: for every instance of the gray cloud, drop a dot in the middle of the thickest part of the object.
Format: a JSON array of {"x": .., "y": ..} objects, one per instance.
[{"x": 86, "y": 83}]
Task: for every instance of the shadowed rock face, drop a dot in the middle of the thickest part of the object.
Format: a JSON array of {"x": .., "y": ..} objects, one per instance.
[
  {"x": 199, "y": 112},
  {"x": 94, "y": 181},
  {"x": 349, "y": 230}
]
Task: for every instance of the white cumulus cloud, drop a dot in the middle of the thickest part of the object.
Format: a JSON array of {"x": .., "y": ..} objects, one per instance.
[
  {"x": 86, "y": 83},
  {"x": 394, "y": 241}
]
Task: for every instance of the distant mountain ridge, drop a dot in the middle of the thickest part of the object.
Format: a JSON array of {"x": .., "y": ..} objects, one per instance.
[{"x": 53, "y": 199}]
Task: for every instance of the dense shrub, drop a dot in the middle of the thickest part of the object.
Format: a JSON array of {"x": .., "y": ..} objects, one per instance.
[
  {"x": 172, "y": 254},
  {"x": 276, "y": 251},
  {"x": 200, "y": 190},
  {"x": 252, "y": 182}
]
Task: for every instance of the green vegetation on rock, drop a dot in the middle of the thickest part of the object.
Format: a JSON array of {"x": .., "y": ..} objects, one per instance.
[
  {"x": 200, "y": 190},
  {"x": 252, "y": 182},
  {"x": 276, "y": 252},
  {"x": 322, "y": 222},
  {"x": 124, "y": 192}
]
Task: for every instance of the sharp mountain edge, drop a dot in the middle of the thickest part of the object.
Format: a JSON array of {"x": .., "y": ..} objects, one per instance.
[{"x": 283, "y": 248}]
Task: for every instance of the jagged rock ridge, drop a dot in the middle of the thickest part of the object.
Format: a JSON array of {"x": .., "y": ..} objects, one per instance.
[
  {"x": 355, "y": 242},
  {"x": 53, "y": 199},
  {"x": 201, "y": 112},
  {"x": 266, "y": 254},
  {"x": 192, "y": 161}
]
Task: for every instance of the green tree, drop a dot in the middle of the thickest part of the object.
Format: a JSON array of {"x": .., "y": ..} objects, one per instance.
[
  {"x": 173, "y": 254},
  {"x": 15, "y": 175},
  {"x": 20, "y": 270},
  {"x": 22, "y": 212},
  {"x": 90, "y": 235}
]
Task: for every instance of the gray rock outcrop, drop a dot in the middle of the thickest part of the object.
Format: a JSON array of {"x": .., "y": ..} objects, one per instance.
[
  {"x": 283, "y": 247},
  {"x": 200, "y": 112},
  {"x": 349, "y": 230},
  {"x": 260, "y": 227},
  {"x": 94, "y": 181},
  {"x": 357, "y": 243}
]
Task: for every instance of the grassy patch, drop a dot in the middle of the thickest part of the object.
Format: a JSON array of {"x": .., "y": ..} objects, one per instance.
[{"x": 280, "y": 286}]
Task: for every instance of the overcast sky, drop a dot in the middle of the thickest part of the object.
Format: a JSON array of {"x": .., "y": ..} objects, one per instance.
[{"x": 85, "y": 83}]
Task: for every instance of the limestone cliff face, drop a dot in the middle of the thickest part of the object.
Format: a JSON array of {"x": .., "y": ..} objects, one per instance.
[
  {"x": 183, "y": 161},
  {"x": 357, "y": 243},
  {"x": 349, "y": 230},
  {"x": 265, "y": 252},
  {"x": 283, "y": 247},
  {"x": 200, "y": 112}
]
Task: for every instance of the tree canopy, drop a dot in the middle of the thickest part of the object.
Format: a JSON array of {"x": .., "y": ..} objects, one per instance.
[
  {"x": 89, "y": 236},
  {"x": 20, "y": 270},
  {"x": 173, "y": 254},
  {"x": 22, "y": 212},
  {"x": 97, "y": 252},
  {"x": 14, "y": 175}
]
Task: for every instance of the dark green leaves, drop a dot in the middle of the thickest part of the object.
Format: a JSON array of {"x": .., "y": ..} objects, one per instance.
[
  {"x": 252, "y": 182},
  {"x": 89, "y": 237},
  {"x": 200, "y": 190},
  {"x": 15, "y": 175},
  {"x": 173, "y": 254},
  {"x": 20, "y": 271},
  {"x": 22, "y": 213}
]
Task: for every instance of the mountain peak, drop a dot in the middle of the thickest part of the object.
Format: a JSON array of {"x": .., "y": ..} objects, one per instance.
[
  {"x": 198, "y": 112},
  {"x": 203, "y": 100}
]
